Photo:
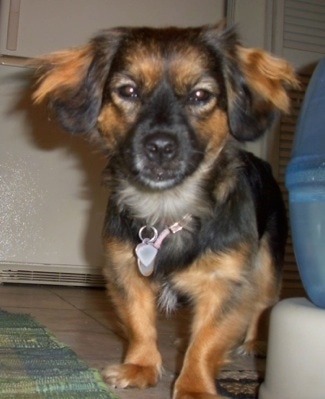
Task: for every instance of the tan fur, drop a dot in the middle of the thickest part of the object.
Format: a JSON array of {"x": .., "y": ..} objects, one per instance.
[
  {"x": 111, "y": 125},
  {"x": 185, "y": 68},
  {"x": 146, "y": 65},
  {"x": 136, "y": 308},
  {"x": 67, "y": 69},
  {"x": 267, "y": 75},
  {"x": 268, "y": 294}
]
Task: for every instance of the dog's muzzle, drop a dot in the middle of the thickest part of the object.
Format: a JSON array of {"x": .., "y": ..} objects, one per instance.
[{"x": 161, "y": 159}]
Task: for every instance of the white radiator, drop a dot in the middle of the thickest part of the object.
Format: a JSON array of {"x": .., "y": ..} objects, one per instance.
[{"x": 51, "y": 274}]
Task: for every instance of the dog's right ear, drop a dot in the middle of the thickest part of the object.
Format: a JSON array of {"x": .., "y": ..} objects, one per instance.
[
  {"x": 257, "y": 84},
  {"x": 73, "y": 80},
  {"x": 257, "y": 90}
]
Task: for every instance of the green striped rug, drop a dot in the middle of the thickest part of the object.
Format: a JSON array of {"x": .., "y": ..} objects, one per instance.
[{"x": 34, "y": 365}]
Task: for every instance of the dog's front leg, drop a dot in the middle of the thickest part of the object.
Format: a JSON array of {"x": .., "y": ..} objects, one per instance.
[
  {"x": 221, "y": 308},
  {"x": 135, "y": 304},
  {"x": 206, "y": 353}
]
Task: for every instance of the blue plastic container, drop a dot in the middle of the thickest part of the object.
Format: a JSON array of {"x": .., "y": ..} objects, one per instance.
[{"x": 305, "y": 180}]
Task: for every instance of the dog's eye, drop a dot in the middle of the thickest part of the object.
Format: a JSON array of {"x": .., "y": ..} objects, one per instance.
[
  {"x": 128, "y": 92},
  {"x": 199, "y": 97}
]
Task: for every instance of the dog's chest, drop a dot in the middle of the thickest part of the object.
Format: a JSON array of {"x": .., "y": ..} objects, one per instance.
[{"x": 163, "y": 250}]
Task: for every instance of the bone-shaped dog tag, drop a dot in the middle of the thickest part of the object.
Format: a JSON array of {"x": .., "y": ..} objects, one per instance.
[{"x": 146, "y": 253}]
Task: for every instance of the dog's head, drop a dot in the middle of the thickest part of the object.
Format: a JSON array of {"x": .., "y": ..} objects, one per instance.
[{"x": 164, "y": 101}]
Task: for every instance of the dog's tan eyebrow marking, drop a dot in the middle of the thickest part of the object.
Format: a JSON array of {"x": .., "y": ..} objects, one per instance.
[
  {"x": 187, "y": 69},
  {"x": 144, "y": 66}
]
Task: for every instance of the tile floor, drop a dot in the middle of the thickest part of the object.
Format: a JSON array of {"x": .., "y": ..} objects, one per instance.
[{"x": 82, "y": 318}]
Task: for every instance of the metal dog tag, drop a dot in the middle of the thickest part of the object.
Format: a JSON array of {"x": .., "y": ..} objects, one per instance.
[{"x": 146, "y": 253}]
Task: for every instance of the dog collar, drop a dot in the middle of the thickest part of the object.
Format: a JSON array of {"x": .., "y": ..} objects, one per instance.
[{"x": 147, "y": 250}]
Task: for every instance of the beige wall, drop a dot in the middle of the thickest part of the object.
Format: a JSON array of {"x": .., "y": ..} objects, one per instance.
[{"x": 47, "y": 25}]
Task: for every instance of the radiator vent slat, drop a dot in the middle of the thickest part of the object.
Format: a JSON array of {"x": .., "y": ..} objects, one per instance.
[{"x": 51, "y": 275}]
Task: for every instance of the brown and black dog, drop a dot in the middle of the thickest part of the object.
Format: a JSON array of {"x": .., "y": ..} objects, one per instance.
[{"x": 190, "y": 214}]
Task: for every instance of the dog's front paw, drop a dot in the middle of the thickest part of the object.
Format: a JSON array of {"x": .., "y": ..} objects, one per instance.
[
  {"x": 252, "y": 348},
  {"x": 130, "y": 375}
]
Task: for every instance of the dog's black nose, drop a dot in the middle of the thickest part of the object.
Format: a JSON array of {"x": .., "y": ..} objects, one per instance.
[{"x": 160, "y": 147}]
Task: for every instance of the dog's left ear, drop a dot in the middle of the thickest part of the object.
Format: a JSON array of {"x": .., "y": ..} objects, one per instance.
[
  {"x": 73, "y": 80},
  {"x": 257, "y": 91}
]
